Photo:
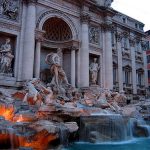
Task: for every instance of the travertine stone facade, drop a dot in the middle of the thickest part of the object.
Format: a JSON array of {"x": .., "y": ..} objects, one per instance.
[{"x": 83, "y": 30}]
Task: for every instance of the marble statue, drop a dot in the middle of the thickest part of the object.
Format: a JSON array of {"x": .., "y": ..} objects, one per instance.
[
  {"x": 104, "y": 3},
  {"x": 94, "y": 68},
  {"x": 108, "y": 3},
  {"x": 58, "y": 75},
  {"x": 49, "y": 98},
  {"x": 35, "y": 91},
  {"x": 6, "y": 57}
]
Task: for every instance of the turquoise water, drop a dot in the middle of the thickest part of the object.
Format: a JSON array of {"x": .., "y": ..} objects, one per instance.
[{"x": 136, "y": 144}]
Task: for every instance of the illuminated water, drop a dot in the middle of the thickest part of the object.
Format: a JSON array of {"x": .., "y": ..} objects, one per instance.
[{"x": 136, "y": 144}]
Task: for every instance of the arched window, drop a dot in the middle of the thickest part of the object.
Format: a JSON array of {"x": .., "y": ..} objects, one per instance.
[
  {"x": 140, "y": 74},
  {"x": 127, "y": 74},
  {"x": 115, "y": 73}
]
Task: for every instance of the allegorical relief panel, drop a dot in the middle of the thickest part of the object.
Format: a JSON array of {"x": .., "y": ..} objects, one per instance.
[
  {"x": 9, "y": 9},
  {"x": 6, "y": 55},
  {"x": 94, "y": 35}
]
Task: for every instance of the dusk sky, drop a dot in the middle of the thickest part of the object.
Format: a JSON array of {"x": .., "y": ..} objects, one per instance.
[{"x": 137, "y": 9}]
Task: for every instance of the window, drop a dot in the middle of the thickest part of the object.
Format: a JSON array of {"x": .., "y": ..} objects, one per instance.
[
  {"x": 148, "y": 59},
  {"x": 141, "y": 26},
  {"x": 139, "y": 78},
  {"x": 112, "y": 38},
  {"x": 127, "y": 77},
  {"x": 115, "y": 72},
  {"x": 114, "y": 75},
  {"x": 127, "y": 74},
  {"x": 124, "y": 20},
  {"x": 149, "y": 74},
  {"x": 147, "y": 45},
  {"x": 125, "y": 43},
  {"x": 136, "y": 26},
  {"x": 140, "y": 74}
]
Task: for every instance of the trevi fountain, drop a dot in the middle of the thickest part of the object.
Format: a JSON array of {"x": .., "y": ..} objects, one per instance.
[{"x": 51, "y": 112}]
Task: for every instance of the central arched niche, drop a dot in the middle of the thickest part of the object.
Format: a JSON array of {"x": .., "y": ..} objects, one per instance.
[{"x": 57, "y": 30}]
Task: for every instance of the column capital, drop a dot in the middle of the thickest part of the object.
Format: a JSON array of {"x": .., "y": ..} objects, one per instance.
[
  {"x": 125, "y": 34},
  {"x": 119, "y": 37},
  {"x": 138, "y": 39},
  {"x": 39, "y": 35},
  {"x": 85, "y": 18},
  {"x": 107, "y": 27},
  {"x": 73, "y": 48}
]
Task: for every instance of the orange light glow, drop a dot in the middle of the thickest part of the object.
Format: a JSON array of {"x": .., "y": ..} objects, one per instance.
[
  {"x": 7, "y": 112},
  {"x": 23, "y": 118},
  {"x": 20, "y": 119},
  {"x": 40, "y": 141}
]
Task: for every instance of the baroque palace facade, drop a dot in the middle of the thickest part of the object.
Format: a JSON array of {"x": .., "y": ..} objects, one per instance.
[{"x": 84, "y": 30}]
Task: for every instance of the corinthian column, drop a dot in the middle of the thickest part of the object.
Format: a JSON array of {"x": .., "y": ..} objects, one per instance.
[
  {"x": 29, "y": 40},
  {"x": 39, "y": 39},
  {"x": 84, "y": 52},
  {"x": 108, "y": 57},
  {"x": 132, "y": 44},
  {"x": 73, "y": 66},
  {"x": 120, "y": 72}
]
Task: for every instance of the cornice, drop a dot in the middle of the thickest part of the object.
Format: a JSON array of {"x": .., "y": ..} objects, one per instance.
[
  {"x": 30, "y": 1},
  {"x": 106, "y": 26},
  {"x": 10, "y": 26}
]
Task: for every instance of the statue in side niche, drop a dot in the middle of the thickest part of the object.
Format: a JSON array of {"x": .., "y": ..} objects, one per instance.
[
  {"x": 94, "y": 68},
  {"x": 6, "y": 57},
  {"x": 58, "y": 75}
]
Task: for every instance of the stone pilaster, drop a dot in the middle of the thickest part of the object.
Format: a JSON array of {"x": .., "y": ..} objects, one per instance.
[
  {"x": 120, "y": 72},
  {"x": 145, "y": 69},
  {"x": 21, "y": 43},
  {"x": 29, "y": 40},
  {"x": 73, "y": 66},
  {"x": 108, "y": 57},
  {"x": 134, "y": 83},
  {"x": 84, "y": 52}
]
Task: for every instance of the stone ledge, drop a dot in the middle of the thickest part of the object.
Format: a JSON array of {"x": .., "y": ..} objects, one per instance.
[{"x": 10, "y": 82}]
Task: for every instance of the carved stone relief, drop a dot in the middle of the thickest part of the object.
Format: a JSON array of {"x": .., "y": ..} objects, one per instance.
[
  {"x": 126, "y": 54},
  {"x": 138, "y": 56},
  {"x": 94, "y": 35},
  {"x": 9, "y": 9}
]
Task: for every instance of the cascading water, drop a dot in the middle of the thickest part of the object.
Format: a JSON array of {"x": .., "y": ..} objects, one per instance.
[
  {"x": 63, "y": 135},
  {"x": 105, "y": 128},
  {"x": 141, "y": 128},
  {"x": 11, "y": 132}
]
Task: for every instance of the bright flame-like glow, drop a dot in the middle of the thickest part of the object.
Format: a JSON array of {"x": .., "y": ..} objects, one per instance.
[
  {"x": 7, "y": 112},
  {"x": 40, "y": 141}
]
